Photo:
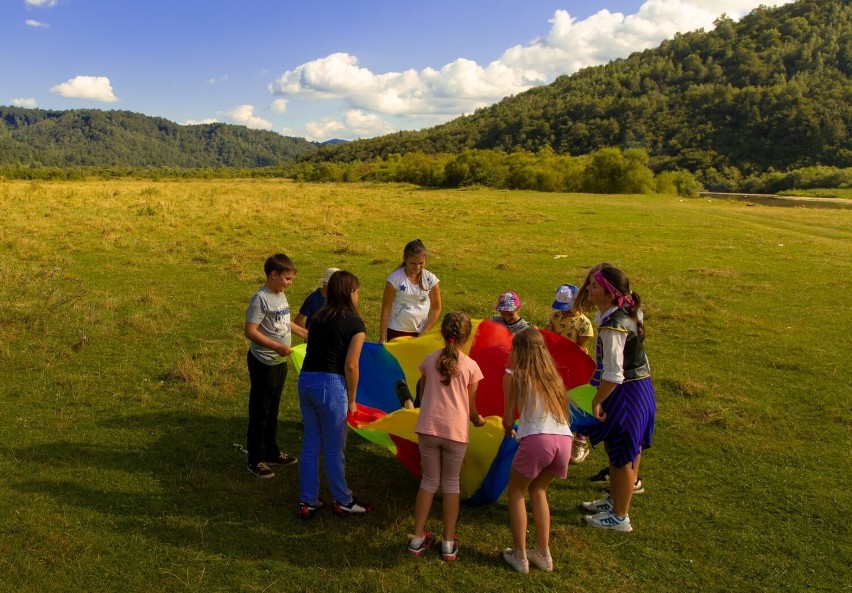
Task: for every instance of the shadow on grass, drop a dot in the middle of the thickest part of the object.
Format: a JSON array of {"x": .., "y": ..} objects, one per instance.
[{"x": 178, "y": 481}]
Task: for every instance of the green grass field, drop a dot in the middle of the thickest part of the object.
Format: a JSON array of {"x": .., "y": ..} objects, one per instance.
[{"x": 123, "y": 387}]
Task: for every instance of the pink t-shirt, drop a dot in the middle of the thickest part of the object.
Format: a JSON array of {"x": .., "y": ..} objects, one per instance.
[{"x": 445, "y": 409}]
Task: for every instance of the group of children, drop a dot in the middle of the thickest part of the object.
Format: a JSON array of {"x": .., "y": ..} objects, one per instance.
[
  {"x": 565, "y": 320},
  {"x": 624, "y": 403}
]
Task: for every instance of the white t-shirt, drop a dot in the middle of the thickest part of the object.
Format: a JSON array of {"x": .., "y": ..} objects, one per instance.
[
  {"x": 537, "y": 420},
  {"x": 411, "y": 302}
]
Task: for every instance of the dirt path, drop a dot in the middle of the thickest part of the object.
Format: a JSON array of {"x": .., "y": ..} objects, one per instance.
[{"x": 783, "y": 201}]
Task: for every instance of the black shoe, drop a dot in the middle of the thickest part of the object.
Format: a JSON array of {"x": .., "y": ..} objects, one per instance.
[
  {"x": 283, "y": 459},
  {"x": 601, "y": 476},
  {"x": 261, "y": 470}
]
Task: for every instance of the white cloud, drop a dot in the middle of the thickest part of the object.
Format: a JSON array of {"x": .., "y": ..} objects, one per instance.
[
  {"x": 463, "y": 85},
  {"x": 354, "y": 124},
  {"x": 217, "y": 79},
  {"x": 22, "y": 102},
  {"x": 279, "y": 106},
  {"x": 42, "y": 3},
  {"x": 93, "y": 88},
  {"x": 244, "y": 114},
  {"x": 194, "y": 122},
  {"x": 37, "y": 24}
]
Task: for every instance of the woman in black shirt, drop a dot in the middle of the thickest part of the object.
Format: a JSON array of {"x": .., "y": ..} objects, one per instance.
[{"x": 328, "y": 382}]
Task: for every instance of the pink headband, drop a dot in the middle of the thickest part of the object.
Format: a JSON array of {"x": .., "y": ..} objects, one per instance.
[{"x": 604, "y": 283}]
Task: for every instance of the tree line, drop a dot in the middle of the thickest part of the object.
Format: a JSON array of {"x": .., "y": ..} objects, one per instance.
[{"x": 608, "y": 170}]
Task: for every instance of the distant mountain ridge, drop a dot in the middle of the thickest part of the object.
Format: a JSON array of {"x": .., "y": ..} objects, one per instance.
[
  {"x": 92, "y": 137},
  {"x": 770, "y": 91}
]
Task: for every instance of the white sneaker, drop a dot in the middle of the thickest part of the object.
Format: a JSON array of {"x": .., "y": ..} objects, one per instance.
[
  {"x": 599, "y": 506},
  {"x": 544, "y": 563},
  {"x": 522, "y": 566},
  {"x": 609, "y": 521},
  {"x": 579, "y": 451}
]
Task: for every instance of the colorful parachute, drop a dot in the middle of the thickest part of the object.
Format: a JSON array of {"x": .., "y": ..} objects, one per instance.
[{"x": 381, "y": 420}]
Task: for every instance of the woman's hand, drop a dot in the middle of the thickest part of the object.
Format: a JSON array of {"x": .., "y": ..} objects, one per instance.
[
  {"x": 479, "y": 422},
  {"x": 353, "y": 407}
]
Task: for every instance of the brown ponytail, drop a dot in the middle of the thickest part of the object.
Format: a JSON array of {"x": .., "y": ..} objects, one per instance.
[
  {"x": 619, "y": 280},
  {"x": 455, "y": 329}
]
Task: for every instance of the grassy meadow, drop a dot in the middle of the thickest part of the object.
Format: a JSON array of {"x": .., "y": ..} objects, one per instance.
[{"x": 123, "y": 387}]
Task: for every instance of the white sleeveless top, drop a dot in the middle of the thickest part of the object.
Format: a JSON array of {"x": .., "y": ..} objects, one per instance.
[{"x": 536, "y": 420}]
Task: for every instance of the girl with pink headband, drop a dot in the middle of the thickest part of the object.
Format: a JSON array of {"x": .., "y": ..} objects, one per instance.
[{"x": 624, "y": 403}]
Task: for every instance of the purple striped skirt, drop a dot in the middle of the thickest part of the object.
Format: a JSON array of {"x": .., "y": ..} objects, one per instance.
[{"x": 629, "y": 426}]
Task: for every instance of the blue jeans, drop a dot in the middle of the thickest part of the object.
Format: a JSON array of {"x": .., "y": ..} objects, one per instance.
[{"x": 323, "y": 401}]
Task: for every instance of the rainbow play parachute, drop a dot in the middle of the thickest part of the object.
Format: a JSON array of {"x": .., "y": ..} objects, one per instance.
[{"x": 381, "y": 420}]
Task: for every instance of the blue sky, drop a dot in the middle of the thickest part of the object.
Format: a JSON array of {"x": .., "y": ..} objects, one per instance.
[{"x": 319, "y": 70}]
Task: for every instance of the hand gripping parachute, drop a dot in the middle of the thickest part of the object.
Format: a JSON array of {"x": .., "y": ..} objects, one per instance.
[{"x": 381, "y": 420}]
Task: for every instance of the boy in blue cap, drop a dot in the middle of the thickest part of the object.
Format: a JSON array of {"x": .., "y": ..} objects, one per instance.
[{"x": 572, "y": 324}]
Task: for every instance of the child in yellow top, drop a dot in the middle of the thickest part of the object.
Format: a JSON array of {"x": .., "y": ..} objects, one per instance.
[{"x": 568, "y": 321}]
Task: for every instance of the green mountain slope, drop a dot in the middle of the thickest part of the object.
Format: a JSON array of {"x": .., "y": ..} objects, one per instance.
[
  {"x": 90, "y": 137},
  {"x": 771, "y": 91}
]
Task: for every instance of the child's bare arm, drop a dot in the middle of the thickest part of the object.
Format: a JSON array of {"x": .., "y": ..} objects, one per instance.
[{"x": 475, "y": 416}]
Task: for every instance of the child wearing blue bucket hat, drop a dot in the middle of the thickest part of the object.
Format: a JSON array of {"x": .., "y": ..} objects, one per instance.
[{"x": 569, "y": 322}]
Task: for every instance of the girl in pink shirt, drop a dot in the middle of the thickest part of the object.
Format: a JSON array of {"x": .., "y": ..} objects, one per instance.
[{"x": 448, "y": 406}]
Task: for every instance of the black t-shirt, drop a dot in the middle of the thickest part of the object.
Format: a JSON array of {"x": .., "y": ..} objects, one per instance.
[{"x": 328, "y": 342}]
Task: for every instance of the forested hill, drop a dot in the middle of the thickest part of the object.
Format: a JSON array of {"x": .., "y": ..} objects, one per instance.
[
  {"x": 772, "y": 90},
  {"x": 90, "y": 137}
]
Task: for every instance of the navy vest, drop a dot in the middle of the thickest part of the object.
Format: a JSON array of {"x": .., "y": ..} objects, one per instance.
[{"x": 635, "y": 361}]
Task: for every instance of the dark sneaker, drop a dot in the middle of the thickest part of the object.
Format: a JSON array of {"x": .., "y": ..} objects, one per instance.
[
  {"x": 307, "y": 511},
  {"x": 453, "y": 554},
  {"x": 261, "y": 470},
  {"x": 418, "y": 549},
  {"x": 353, "y": 508},
  {"x": 283, "y": 459},
  {"x": 601, "y": 476}
]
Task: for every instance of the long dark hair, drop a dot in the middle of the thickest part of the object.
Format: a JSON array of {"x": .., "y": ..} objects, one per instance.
[
  {"x": 341, "y": 285},
  {"x": 455, "y": 328},
  {"x": 620, "y": 282}
]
